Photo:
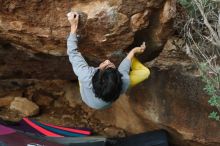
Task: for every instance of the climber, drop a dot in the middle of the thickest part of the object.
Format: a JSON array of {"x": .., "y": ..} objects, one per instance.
[{"x": 101, "y": 86}]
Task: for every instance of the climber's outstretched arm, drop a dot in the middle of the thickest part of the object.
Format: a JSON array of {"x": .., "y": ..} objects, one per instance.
[
  {"x": 80, "y": 66},
  {"x": 138, "y": 73},
  {"x": 125, "y": 65},
  {"x": 136, "y": 50}
]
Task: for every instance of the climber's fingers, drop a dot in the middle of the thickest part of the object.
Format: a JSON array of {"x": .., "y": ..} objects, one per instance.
[
  {"x": 142, "y": 50},
  {"x": 73, "y": 16},
  {"x": 143, "y": 46},
  {"x": 70, "y": 16}
]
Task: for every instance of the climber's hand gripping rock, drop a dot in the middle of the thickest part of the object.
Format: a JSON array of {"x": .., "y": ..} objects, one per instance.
[
  {"x": 140, "y": 49},
  {"x": 73, "y": 18}
]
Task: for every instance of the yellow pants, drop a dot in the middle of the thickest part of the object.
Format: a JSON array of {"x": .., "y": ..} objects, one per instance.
[{"x": 138, "y": 72}]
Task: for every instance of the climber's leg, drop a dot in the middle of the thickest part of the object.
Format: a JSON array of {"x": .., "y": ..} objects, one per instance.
[{"x": 138, "y": 72}]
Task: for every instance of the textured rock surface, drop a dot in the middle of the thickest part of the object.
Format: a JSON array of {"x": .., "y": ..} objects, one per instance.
[
  {"x": 24, "y": 106},
  {"x": 5, "y": 101},
  {"x": 175, "y": 101},
  {"x": 33, "y": 45},
  {"x": 43, "y": 100},
  {"x": 37, "y": 30},
  {"x": 172, "y": 99}
]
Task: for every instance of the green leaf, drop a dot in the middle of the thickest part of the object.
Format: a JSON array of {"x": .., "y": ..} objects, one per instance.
[
  {"x": 214, "y": 115},
  {"x": 213, "y": 101}
]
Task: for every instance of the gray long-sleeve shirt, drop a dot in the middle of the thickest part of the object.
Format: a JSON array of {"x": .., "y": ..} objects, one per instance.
[{"x": 85, "y": 73}]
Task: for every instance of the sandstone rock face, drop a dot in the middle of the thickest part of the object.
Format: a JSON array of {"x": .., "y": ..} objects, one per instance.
[
  {"x": 72, "y": 95},
  {"x": 5, "y": 101},
  {"x": 176, "y": 102},
  {"x": 33, "y": 45},
  {"x": 173, "y": 99},
  {"x": 38, "y": 31},
  {"x": 24, "y": 106},
  {"x": 43, "y": 100}
]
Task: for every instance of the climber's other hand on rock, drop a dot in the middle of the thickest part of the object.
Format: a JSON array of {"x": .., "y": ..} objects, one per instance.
[
  {"x": 73, "y": 18},
  {"x": 136, "y": 50},
  {"x": 140, "y": 49},
  {"x": 143, "y": 45}
]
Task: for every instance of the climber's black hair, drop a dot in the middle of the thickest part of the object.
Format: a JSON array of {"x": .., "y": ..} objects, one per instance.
[{"x": 107, "y": 84}]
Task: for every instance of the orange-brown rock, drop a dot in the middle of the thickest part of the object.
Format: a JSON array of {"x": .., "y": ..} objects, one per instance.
[
  {"x": 175, "y": 101},
  {"x": 34, "y": 33},
  {"x": 33, "y": 45},
  {"x": 172, "y": 99},
  {"x": 5, "y": 101},
  {"x": 24, "y": 106}
]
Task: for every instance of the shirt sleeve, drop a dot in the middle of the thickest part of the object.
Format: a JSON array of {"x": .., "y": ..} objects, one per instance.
[
  {"x": 124, "y": 69},
  {"x": 79, "y": 65}
]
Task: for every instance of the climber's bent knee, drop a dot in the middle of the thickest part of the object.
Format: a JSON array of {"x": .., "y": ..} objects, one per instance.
[{"x": 139, "y": 72}]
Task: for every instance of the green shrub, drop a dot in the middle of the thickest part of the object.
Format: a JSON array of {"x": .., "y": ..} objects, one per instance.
[{"x": 212, "y": 83}]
